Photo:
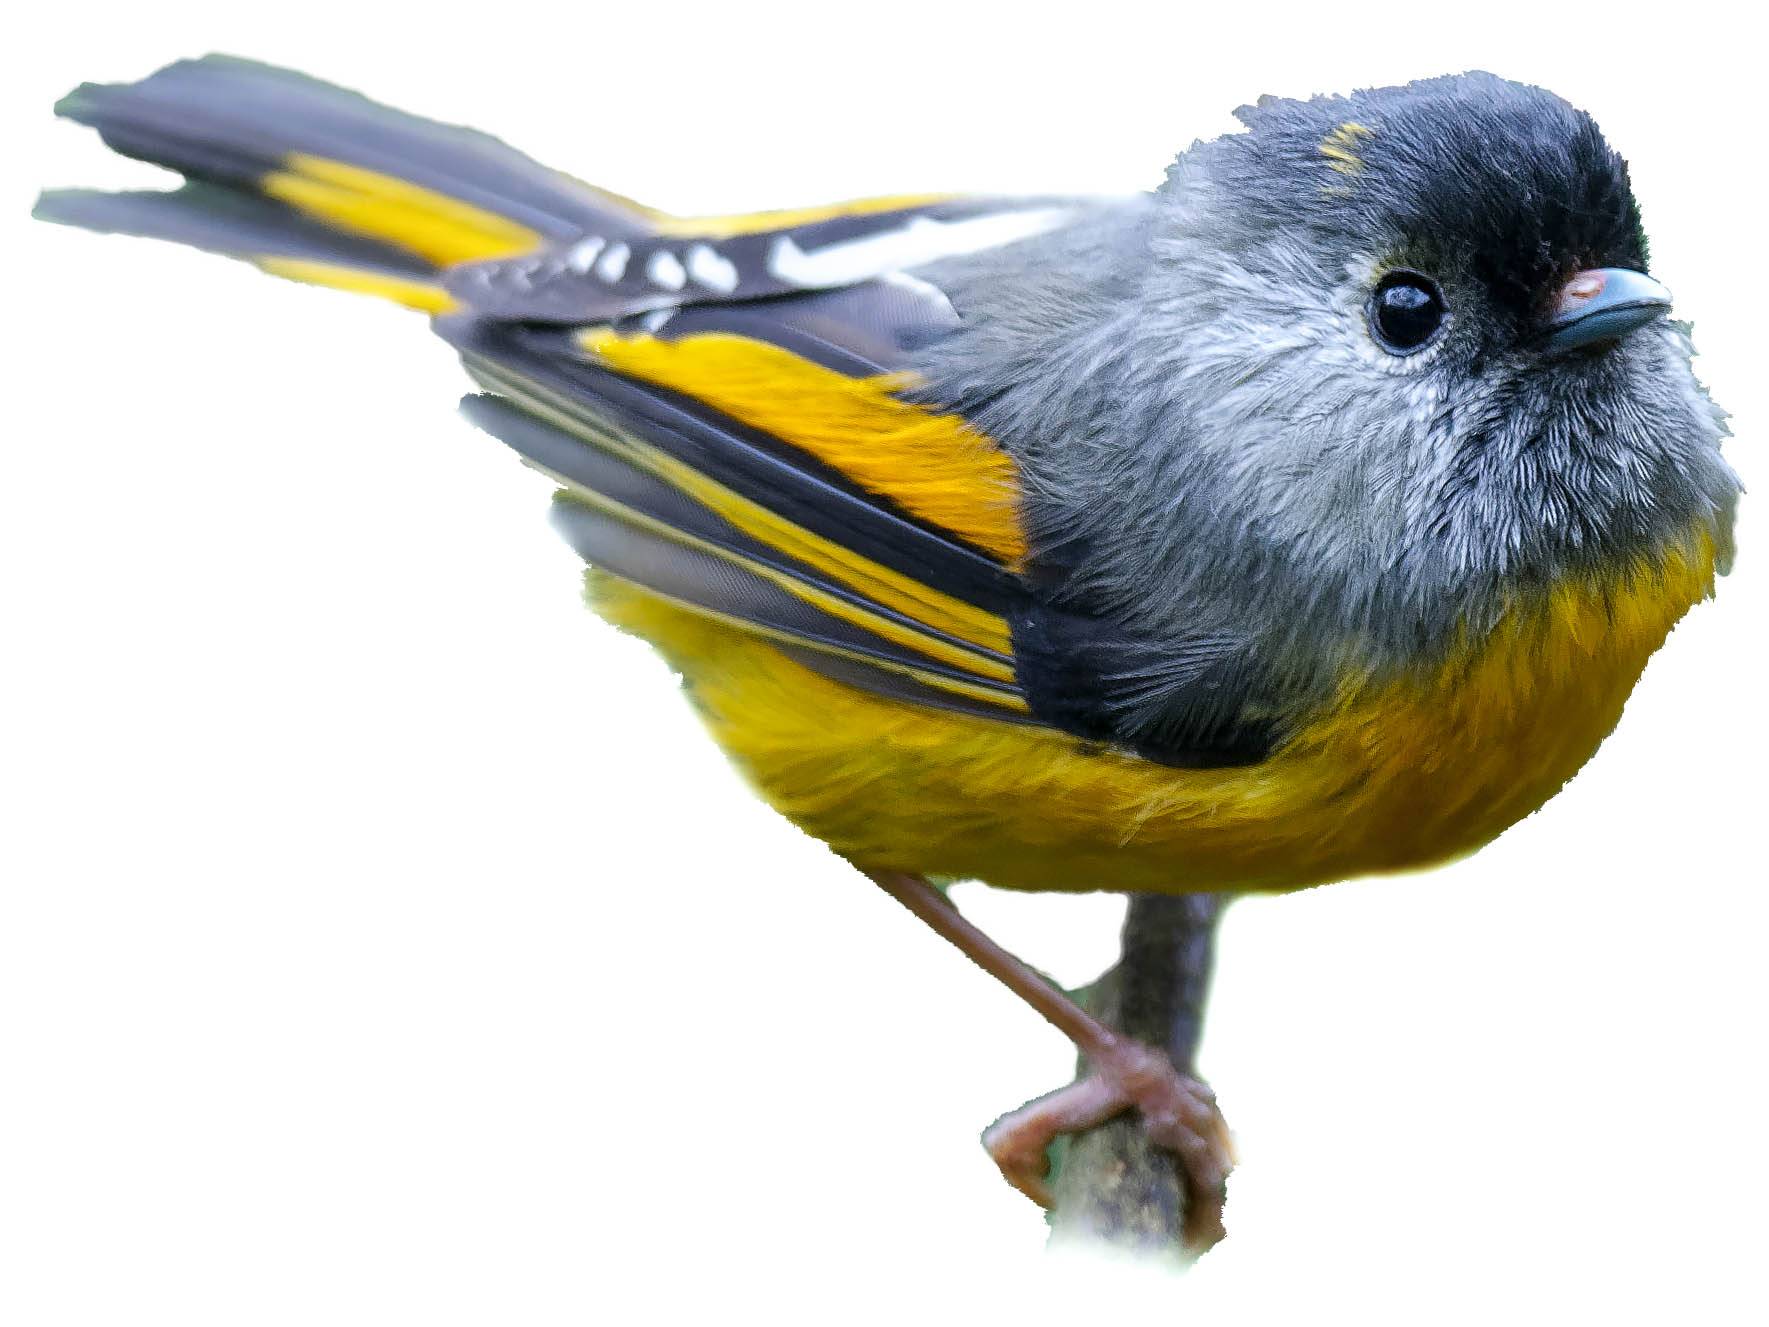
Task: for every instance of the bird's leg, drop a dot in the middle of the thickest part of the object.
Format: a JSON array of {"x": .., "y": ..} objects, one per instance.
[{"x": 1178, "y": 1110}]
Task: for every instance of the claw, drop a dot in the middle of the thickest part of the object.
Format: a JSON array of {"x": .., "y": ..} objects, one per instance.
[{"x": 1178, "y": 1111}]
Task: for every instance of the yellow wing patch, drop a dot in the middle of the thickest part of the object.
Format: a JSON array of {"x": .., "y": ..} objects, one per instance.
[
  {"x": 942, "y": 612},
  {"x": 933, "y": 466}
]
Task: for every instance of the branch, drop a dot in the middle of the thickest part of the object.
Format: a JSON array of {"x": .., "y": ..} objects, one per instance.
[{"x": 1113, "y": 1188}]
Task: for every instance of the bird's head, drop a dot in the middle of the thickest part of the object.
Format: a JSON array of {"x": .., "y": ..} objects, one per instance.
[{"x": 1419, "y": 345}]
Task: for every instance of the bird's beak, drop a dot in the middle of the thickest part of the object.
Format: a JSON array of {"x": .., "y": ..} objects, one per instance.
[{"x": 1603, "y": 304}]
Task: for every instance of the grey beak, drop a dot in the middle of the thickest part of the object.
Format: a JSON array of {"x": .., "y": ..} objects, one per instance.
[{"x": 1604, "y": 304}]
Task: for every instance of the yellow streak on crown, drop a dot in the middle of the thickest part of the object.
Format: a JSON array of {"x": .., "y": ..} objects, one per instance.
[{"x": 1340, "y": 147}]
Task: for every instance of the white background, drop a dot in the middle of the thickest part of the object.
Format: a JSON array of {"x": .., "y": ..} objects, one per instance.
[{"x": 382, "y": 942}]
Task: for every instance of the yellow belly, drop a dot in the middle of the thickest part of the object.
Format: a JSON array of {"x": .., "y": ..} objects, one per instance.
[{"x": 1396, "y": 774}]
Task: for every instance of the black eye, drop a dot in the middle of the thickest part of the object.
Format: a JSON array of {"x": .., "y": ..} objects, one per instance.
[{"x": 1406, "y": 311}]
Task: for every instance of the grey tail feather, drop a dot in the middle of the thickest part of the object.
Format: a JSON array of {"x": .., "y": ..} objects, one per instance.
[
  {"x": 226, "y": 124},
  {"x": 224, "y": 221}
]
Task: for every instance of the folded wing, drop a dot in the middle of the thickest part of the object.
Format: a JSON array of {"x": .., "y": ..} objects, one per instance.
[{"x": 753, "y": 462}]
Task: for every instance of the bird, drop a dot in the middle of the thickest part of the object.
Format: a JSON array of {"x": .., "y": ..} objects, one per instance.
[{"x": 1310, "y": 515}]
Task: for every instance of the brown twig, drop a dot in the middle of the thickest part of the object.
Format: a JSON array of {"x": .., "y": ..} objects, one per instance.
[{"x": 1112, "y": 1186}]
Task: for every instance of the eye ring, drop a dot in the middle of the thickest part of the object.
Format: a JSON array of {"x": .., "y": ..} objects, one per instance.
[{"x": 1405, "y": 312}]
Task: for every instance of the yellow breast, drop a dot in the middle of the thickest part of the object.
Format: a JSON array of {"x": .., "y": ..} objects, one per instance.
[{"x": 1397, "y": 773}]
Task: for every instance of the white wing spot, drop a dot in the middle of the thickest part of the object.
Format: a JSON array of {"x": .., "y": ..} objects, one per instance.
[
  {"x": 712, "y": 269},
  {"x": 581, "y": 255},
  {"x": 613, "y": 264},
  {"x": 921, "y": 240},
  {"x": 665, "y": 269}
]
